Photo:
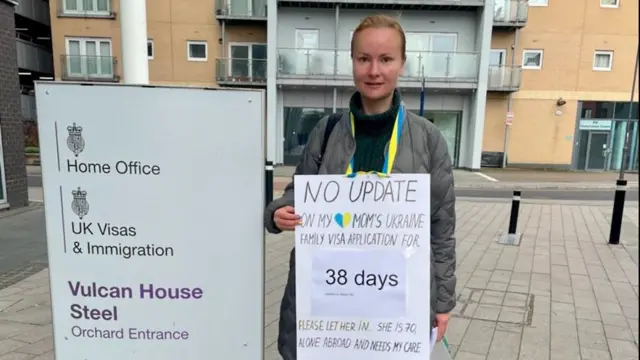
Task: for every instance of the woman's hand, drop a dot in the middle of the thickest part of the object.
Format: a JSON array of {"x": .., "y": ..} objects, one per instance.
[
  {"x": 285, "y": 218},
  {"x": 442, "y": 320}
]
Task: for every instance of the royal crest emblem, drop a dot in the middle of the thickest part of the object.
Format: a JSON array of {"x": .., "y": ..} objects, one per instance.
[
  {"x": 75, "y": 142},
  {"x": 79, "y": 205}
]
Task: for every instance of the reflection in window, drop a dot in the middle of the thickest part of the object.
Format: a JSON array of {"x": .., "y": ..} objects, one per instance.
[
  {"x": 622, "y": 111},
  {"x": 298, "y": 124},
  {"x": 597, "y": 110}
]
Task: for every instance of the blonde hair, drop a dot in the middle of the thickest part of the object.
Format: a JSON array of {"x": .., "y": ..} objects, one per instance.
[{"x": 379, "y": 22}]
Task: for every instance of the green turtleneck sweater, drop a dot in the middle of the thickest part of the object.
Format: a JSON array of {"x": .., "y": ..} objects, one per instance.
[{"x": 372, "y": 133}]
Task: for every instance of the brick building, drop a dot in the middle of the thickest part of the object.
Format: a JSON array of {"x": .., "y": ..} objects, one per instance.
[{"x": 13, "y": 175}]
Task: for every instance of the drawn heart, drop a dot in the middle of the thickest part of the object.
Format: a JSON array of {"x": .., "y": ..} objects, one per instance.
[{"x": 343, "y": 219}]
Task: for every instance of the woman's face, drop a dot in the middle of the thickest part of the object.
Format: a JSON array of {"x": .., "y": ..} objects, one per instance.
[{"x": 377, "y": 62}]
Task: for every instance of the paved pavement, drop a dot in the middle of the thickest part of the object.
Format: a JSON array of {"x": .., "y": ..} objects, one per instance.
[
  {"x": 562, "y": 294},
  {"x": 23, "y": 249}
]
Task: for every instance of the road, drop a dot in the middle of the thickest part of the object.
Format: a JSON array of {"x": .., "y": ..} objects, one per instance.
[{"x": 578, "y": 194}]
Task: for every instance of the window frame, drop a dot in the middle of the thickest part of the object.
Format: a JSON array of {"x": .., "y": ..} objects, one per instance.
[
  {"x": 80, "y": 4},
  {"x": 608, "y": 6},
  {"x": 602, "y": 52},
  {"x": 546, "y": 3},
  {"x": 153, "y": 49},
  {"x": 529, "y": 67},
  {"x": 83, "y": 47},
  {"x": 198, "y": 42}
]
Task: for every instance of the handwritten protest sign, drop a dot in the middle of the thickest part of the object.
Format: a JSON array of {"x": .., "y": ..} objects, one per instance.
[{"x": 362, "y": 267}]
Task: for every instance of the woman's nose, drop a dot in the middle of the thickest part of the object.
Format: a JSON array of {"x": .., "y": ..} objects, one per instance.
[{"x": 374, "y": 68}]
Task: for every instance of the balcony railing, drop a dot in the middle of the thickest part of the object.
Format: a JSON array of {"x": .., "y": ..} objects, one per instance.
[
  {"x": 312, "y": 63},
  {"x": 89, "y": 68},
  {"x": 413, "y": 4},
  {"x": 247, "y": 9},
  {"x": 241, "y": 71},
  {"x": 511, "y": 12},
  {"x": 504, "y": 78},
  {"x": 86, "y": 8},
  {"x": 37, "y": 10},
  {"x": 33, "y": 57}
]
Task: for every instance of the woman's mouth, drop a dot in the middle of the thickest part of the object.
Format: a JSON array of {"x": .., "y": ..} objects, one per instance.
[{"x": 374, "y": 85}]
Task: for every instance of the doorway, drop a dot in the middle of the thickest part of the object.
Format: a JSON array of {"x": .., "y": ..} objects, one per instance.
[{"x": 597, "y": 151}]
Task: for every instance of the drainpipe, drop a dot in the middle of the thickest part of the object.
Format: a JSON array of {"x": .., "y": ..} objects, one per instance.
[
  {"x": 510, "y": 96},
  {"x": 223, "y": 35}
]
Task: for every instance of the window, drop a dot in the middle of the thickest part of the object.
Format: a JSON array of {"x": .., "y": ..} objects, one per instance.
[
  {"x": 197, "y": 50},
  {"x": 93, "y": 7},
  {"x": 597, "y": 110},
  {"x": 150, "y": 52},
  {"x": 609, "y": 3},
  {"x": 89, "y": 57},
  {"x": 248, "y": 61},
  {"x": 539, "y": 2},
  {"x": 602, "y": 60},
  {"x": 532, "y": 59}
]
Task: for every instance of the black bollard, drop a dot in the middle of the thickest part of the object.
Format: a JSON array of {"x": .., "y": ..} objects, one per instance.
[
  {"x": 618, "y": 209},
  {"x": 268, "y": 181},
  {"x": 515, "y": 207}
]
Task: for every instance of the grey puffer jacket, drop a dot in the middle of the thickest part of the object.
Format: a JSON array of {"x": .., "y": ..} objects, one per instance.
[{"x": 422, "y": 149}]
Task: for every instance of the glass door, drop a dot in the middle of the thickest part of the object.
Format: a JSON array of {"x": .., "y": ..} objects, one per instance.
[
  {"x": 248, "y": 61},
  {"x": 307, "y": 43},
  {"x": 597, "y": 151},
  {"x": 240, "y": 56},
  {"x": 448, "y": 122},
  {"x": 417, "y": 47},
  {"x": 298, "y": 124},
  {"x": 259, "y": 61},
  {"x": 497, "y": 59},
  {"x": 240, "y": 7},
  {"x": 441, "y": 61},
  {"x": 500, "y": 10}
]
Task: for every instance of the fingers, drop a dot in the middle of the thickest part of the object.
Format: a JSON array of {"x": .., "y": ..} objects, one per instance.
[
  {"x": 285, "y": 218},
  {"x": 442, "y": 321},
  {"x": 288, "y": 216},
  {"x": 442, "y": 328}
]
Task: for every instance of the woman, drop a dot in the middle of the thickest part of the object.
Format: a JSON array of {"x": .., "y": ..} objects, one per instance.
[{"x": 378, "y": 57}]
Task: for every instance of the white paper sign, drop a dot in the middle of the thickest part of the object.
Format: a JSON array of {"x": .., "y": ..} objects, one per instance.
[{"x": 362, "y": 267}]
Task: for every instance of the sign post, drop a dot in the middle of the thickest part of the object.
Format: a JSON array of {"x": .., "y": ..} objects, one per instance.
[
  {"x": 149, "y": 258},
  {"x": 363, "y": 267}
]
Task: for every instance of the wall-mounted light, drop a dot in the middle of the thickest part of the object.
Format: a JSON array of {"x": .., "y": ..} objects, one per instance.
[{"x": 560, "y": 102}]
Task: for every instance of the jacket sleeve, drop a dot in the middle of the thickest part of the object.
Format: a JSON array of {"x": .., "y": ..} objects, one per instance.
[
  {"x": 308, "y": 165},
  {"x": 443, "y": 223}
]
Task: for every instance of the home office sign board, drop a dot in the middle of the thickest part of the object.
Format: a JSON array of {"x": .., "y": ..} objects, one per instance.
[{"x": 155, "y": 249}]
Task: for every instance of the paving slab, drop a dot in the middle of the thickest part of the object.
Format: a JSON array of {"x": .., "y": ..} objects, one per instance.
[{"x": 562, "y": 294}]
